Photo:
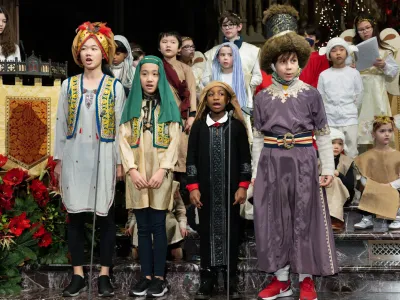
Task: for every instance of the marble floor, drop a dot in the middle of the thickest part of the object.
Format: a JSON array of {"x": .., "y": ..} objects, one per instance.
[{"x": 53, "y": 295}]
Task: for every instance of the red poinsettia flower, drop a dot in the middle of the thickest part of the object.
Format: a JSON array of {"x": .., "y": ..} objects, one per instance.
[
  {"x": 15, "y": 176},
  {"x": 39, "y": 192},
  {"x": 18, "y": 224},
  {"x": 40, "y": 232},
  {"x": 51, "y": 164},
  {"x": 3, "y": 160},
  {"x": 6, "y": 197},
  {"x": 46, "y": 240}
]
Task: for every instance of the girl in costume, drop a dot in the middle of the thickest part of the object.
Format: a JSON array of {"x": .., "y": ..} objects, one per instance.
[
  {"x": 287, "y": 189},
  {"x": 9, "y": 49},
  {"x": 375, "y": 99},
  {"x": 150, "y": 131},
  {"x": 122, "y": 62},
  {"x": 380, "y": 169},
  {"x": 89, "y": 111},
  {"x": 342, "y": 188},
  {"x": 207, "y": 163}
]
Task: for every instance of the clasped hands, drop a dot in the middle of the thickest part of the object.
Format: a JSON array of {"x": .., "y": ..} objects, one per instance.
[{"x": 141, "y": 183}]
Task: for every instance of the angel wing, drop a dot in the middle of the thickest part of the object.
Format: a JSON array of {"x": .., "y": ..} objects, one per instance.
[{"x": 392, "y": 37}]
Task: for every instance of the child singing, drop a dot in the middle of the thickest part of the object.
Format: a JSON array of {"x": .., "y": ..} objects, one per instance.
[
  {"x": 150, "y": 130},
  {"x": 207, "y": 171}
]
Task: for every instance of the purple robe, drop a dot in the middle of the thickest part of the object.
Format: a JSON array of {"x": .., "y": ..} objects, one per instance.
[{"x": 292, "y": 222}]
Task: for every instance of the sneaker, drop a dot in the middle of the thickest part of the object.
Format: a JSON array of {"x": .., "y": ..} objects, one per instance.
[
  {"x": 76, "y": 286},
  {"x": 307, "y": 289},
  {"x": 157, "y": 288},
  {"x": 276, "y": 289},
  {"x": 365, "y": 223},
  {"x": 395, "y": 225},
  {"x": 140, "y": 288},
  {"x": 105, "y": 287}
]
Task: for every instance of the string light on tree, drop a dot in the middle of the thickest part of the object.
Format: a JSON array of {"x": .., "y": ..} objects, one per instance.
[{"x": 327, "y": 19}]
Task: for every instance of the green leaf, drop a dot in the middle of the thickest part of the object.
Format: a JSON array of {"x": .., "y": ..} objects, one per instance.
[
  {"x": 13, "y": 259},
  {"x": 27, "y": 252},
  {"x": 12, "y": 272}
]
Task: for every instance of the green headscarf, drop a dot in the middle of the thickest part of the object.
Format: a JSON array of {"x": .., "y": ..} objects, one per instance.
[{"x": 169, "y": 111}]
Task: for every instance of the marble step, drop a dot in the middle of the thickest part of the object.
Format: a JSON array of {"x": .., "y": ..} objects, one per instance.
[
  {"x": 121, "y": 295},
  {"x": 184, "y": 277}
]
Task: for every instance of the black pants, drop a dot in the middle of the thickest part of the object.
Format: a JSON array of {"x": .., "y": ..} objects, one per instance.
[
  {"x": 76, "y": 238},
  {"x": 151, "y": 230}
]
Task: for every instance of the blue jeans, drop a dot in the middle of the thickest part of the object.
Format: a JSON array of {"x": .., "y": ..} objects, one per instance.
[{"x": 151, "y": 223}]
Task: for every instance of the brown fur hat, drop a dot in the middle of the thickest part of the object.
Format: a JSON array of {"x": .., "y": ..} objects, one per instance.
[{"x": 279, "y": 44}]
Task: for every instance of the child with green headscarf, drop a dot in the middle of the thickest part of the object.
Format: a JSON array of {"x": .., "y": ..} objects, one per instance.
[{"x": 150, "y": 131}]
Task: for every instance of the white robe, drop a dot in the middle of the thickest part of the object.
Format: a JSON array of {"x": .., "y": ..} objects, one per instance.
[
  {"x": 78, "y": 156},
  {"x": 375, "y": 100},
  {"x": 11, "y": 57}
]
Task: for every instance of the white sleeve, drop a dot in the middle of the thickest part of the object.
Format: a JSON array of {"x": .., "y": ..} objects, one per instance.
[
  {"x": 256, "y": 75},
  {"x": 258, "y": 144},
  {"x": 61, "y": 122},
  {"x": 391, "y": 68},
  {"x": 321, "y": 87},
  {"x": 325, "y": 151},
  {"x": 396, "y": 184},
  {"x": 358, "y": 90},
  {"x": 119, "y": 106},
  {"x": 207, "y": 74}
]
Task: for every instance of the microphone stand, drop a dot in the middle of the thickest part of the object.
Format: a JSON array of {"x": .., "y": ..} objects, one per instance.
[
  {"x": 229, "y": 203},
  {"x": 94, "y": 211}
]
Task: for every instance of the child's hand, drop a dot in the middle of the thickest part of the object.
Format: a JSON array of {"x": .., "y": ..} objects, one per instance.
[
  {"x": 157, "y": 179},
  {"x": 325, "y": 180},
  {"x": 120, "y": 173},
  {"x": 137, "y": 179},
  {"x": 128, "y": 231},
  {"x": 240, "y": 196},
  {"x": 380, "y": 63},
  {"x": 195, "y": 198},
  {"x": 184, "y": 232},
  {"x": 189, "y": 123},
  {"x": 336, "y": 173},
  {"x": 252, "y": 181}
]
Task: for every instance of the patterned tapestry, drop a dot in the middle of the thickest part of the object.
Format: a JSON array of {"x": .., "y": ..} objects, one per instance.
[{"x": 28, "y": 130}]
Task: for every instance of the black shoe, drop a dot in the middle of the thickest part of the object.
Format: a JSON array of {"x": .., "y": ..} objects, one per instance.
[
  {"x": 207, "y": 284},
  {"x": 140, "y": 288},
  {"x": 157, "y": 288},
  {"x": 105, "y": 287},
  {"x": 76, "y": 286}
]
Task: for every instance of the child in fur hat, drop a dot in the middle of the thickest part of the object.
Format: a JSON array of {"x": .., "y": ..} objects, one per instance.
[
  {"x": 341, "y": 89},
  {"x": 292, "y": 223}
]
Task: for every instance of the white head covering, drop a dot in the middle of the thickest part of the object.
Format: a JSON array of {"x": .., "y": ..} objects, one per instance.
[
  {"x": 128, "y": 72},
  {"x": 337, "y": 41},
  {"x": 338, "y": 135}
]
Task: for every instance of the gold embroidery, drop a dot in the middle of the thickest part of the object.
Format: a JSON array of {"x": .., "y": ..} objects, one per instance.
[
  {"x": 323, "y": 131},
  {"x": 161, "y": 135},
  {"x": 134, "y": 139},
  {"x": 106, "y": 105},
  {"x": 278, "y": 92},
  {"x": 73, "y": 104}
]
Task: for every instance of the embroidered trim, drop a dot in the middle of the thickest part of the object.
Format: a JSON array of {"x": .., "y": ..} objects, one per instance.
[
  {"x": 161, "y": 137},
  {"x": 323, "y": 131},
  {"x": 74, "y": 105},
  {"x": 276, "y": 91},
  {"x": 328, "y": 242},
  {"x": 136, "y": 128},
  {"x": 106, "y": 106}
]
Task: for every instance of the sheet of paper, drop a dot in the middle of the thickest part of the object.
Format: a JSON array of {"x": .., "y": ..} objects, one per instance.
[{"x": 368, "y": 52}]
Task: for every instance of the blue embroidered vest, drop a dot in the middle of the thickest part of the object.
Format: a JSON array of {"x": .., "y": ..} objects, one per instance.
[{"x": 105, "y": 104}]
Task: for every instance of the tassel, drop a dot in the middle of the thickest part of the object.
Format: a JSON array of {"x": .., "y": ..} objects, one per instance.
[
  {"x": 105, "y": 30},
  {"x": 97, "y": 137}
]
